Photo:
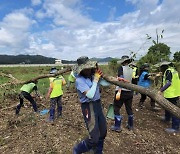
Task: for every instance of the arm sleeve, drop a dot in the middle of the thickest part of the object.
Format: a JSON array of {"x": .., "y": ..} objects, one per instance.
[
  {"x": 35, "y": 88},
  {"x": 168, "y": 75},
  {"x": 104, "y": 82},
  {"x": 120, "y": 72},
  {"x": 146, "y": 77},
  {"x": 91, "y": 92},
  {"x": 168, "y": 81}
]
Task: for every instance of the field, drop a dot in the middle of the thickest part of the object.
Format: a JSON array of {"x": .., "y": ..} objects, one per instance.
[{"x": 29, "y": 133}]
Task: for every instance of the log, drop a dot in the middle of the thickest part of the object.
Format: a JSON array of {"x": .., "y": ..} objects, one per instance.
[
  {"x": 68, "y": 69},
  {"x": 147, "y": 91}
]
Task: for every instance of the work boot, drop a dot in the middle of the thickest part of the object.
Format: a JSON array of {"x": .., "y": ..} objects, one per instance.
[
  {"x": 117, "y": 126},
  {"x": 80, "y": 148},
  {"x": 99, "y": 148},
  {"x": 175, "y": 126},
  {"x": 130, "y": 122}
]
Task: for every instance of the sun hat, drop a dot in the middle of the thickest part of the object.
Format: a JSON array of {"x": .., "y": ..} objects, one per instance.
[
  {"x": 124, "y": 58},
  {"x": 53, "y": 70},
  {"x": 84, "y": 63}
]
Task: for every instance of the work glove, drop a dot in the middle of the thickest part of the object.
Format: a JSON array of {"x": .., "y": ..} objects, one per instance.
[
  {"x": 97, "y": 75},
  {"x": 118, "y": 95}
]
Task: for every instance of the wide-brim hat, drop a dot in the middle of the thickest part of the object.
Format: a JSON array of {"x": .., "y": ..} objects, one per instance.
[
  {"x": 53, "y": 70},
  {"x": 124, "y": 58},
  {"x": 162, "y": 63},
  {"x": 86, "y": 64}
]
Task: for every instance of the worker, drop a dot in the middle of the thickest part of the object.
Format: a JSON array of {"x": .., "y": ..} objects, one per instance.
[
  {"x": 26, "y": 91},
  {"x": 145, "y": 81},
  {"x": 55, "y": 93},
  {"x": 88, "y": 80},
  {"x": 171, "y": 91},
  {"x": 123, "y": 96}
]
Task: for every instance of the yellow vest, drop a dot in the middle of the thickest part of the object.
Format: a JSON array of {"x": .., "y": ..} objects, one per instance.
[
  {"x": 57, "y": 87},
  {"x": 51, "y": 79},
  {"x": 174, "y": 89},
  {"x": 134, "y": 73}
]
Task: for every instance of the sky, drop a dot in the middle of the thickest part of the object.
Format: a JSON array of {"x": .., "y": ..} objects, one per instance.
[{"x": 68, "y": 29}]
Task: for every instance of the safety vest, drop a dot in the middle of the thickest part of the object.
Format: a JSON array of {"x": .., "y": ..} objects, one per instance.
[
  {"x": 71, "y": 77},
  {"x": 28, "y": 87},
  {"x": 134, "y": 75},
  {"x": 142, "y": 82},
  {"x": 174, "y": 89},
  {"x": 51, "y": 79},
  {"x": 57, "y": 87}
]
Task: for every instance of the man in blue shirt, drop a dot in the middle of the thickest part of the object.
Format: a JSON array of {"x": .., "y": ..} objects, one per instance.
[{"x": 88, "y": 78}]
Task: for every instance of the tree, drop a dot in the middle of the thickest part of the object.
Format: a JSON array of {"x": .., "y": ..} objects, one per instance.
[
  {"x": 176, "y": 56},
  {"x": 156, "y": 53}
]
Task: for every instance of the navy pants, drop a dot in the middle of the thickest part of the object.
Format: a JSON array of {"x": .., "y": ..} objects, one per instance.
[
  {"x": 143, "y": 98},
  {"x": 95, "y": 123},
  {"x": 168, "y": 115},
  {"x": 53, "y": 102},
  {"x": 29, "y": 98},
  {"x": 126, "y": 99}
]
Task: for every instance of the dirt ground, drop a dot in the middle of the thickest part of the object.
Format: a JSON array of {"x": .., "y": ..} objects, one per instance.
[{"x": 29, "y": 133}]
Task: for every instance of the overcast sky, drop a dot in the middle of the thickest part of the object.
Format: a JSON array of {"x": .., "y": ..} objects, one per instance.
[{"x": 67, "y": 29}]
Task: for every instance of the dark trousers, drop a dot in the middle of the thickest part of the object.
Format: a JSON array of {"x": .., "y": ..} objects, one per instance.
[
  {"x": 53, "y": 102},
  {"x": 29, "y": 98},
  {"x": 168, "y": 115},
  {"x": 143, "y": 98},
  {"x": 95, "y": 123},
  {"x": 126, "y": 99}
]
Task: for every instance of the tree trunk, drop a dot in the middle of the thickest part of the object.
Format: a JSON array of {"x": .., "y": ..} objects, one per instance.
[{"x": 149, "y": 92}]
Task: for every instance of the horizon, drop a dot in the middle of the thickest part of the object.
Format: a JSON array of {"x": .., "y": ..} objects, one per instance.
[{"x": 68, "y": 29}]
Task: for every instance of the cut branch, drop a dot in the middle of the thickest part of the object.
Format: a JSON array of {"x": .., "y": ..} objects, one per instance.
[
  {"x": 37, "y": 78},
  {"x": 149, "y": 92}
]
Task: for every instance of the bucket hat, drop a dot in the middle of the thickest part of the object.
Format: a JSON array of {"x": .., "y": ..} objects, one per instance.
[{"x": 84, "y": 63}]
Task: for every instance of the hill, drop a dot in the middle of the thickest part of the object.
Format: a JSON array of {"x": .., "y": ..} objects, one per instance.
[
  {"x": 38, "y": 59},
  {"x": 26, "y": 59}
]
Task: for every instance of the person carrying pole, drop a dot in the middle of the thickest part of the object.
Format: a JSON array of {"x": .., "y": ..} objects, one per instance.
[
  {"x": 88, "y": 80},
  {"x": 123, "y": 96},
  {"x": 145, "y": 81},
  {"x": 55, "y": 93},
  {"x": 171, "y": 91}
]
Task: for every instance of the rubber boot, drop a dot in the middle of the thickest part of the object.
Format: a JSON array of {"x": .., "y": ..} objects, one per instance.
[
  {"x": 175, "y": 126},
  {"x": 18, "y": 109},
  {"x": 117, "y": 126},
  {"x": 59, "y": 112},
  {"x": 167, "y": 117},
  {"x": 130, "y": 122},
  {"x": 51, "y": 116},
  {"x": 80, "y": 148},
  {"x": 99, "y": 148}
]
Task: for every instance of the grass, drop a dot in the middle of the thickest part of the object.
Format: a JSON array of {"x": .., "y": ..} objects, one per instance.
[{"x": 26, "y": 73}]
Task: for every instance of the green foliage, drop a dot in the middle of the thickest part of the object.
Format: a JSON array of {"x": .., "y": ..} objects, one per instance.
[
  {"x": 156, "y": 53},
  {"x": 113, "y": 65},
  {"x": 176, "y": 56}
]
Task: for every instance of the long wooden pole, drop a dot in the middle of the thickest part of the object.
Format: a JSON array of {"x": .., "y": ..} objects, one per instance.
[{"x": 149, "y": 92}]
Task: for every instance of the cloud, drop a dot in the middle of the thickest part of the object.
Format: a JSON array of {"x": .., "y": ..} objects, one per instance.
[
  {"x": 63, "y": 13},
  {"x": 112, "y": 14},
  {"x": 14, "y": 31},
  {"x": 73, "y": 34},
  {"x": 36, "y": 2}
]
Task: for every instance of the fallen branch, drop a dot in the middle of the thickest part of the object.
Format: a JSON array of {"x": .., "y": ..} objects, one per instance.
[
  {"x": 37, "y": 78},
  {"x": 149, "y": 92}
]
